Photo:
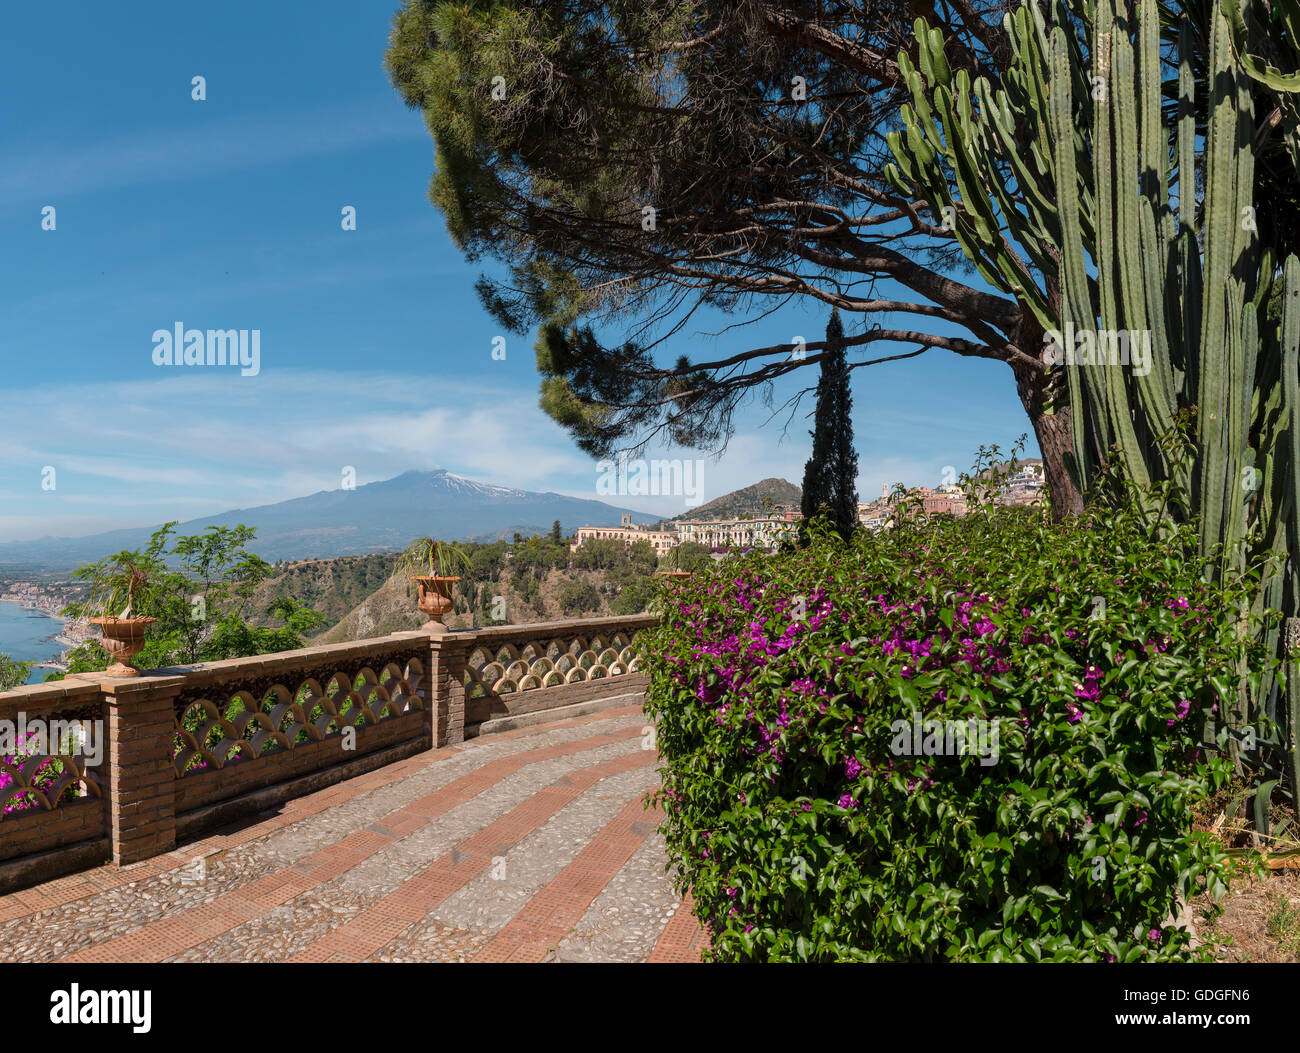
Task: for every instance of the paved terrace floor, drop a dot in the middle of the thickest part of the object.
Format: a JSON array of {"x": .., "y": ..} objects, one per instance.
[{"x": 531, "y": 845}]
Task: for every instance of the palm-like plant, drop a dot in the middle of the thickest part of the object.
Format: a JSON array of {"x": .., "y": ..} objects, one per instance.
[
  {"x": 123, "y": 580},
  {"x": 432, "y": 564},
  {"x": 115, "y": 581},
  {"x": 428, "y": 557}
]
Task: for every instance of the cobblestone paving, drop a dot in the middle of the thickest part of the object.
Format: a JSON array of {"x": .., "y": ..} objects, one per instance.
[{"x": 533, "y": 845}]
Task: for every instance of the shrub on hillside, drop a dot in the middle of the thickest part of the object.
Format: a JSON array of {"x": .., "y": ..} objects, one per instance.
[
  {"x": 632, "y": 597},
  {"x": 688, "y": 556},
  {"x": 578, "y": 596},
  {"x": 821, "y": 804}
]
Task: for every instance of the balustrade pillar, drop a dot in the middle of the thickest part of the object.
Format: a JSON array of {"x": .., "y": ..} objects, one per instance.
[
  {"x": 141, "y": 777},
  {"x": 448, "y": 652}
]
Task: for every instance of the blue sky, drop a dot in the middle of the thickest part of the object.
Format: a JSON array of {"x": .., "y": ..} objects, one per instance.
[{"x": 375, "y": 353}]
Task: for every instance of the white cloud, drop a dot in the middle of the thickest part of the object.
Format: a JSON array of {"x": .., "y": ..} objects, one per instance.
[{"x": 193, "y": 442}]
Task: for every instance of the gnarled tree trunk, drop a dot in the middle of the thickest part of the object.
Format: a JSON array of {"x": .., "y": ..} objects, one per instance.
[{"x": 1053, "y": 430}]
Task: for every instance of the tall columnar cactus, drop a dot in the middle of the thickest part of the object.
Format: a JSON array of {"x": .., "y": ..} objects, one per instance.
[
  {"x": 1069, "y": 187},
  {"x": 1258, "y": 46}
]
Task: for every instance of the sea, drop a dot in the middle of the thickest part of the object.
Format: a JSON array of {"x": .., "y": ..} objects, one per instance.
[{"x": 28, "y": 636}]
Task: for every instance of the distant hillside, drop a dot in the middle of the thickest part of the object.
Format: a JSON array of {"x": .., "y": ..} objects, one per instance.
[
  {"x": 376, "y": 517},
  {"x": 537, "y": 580},
  {"x": 747, "y": 501},
  {"x": 332, "y": 586},
  {"x": 390, "y": 609}
]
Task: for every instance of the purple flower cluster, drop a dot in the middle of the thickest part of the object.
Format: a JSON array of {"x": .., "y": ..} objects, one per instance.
[
  {"x": 42, "y": 779},
  {"x": 792, "y": 689}
]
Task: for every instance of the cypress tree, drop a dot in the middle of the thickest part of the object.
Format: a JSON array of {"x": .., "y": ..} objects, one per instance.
[{"x": 830, "y": 476}]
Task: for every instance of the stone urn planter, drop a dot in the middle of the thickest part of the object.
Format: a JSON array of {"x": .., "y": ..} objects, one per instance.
[
  {"x": 437, "y": 559},
  {"x": 435, "y": 600},
  {"x": 123, "y": 639}
]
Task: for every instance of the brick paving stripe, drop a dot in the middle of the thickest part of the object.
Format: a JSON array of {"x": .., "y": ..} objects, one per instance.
[
  {"x": 549, "y": 916},
  {"x": 166, "y": 938},
  {"x": 683, "y": 939},
  {"x": 399, "y": 864},
  {"x": 362, "y": 937}
]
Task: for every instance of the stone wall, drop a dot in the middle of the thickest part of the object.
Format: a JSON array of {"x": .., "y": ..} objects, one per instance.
[{"x": 193, "y": 747}]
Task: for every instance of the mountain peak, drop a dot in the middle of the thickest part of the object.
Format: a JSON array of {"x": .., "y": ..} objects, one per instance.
[
  {"x": 747, "y": 501},
  {"x": 382, "y": 516}
]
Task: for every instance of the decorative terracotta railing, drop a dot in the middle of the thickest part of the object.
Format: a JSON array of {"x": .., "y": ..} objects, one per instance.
[
  {"x": 553, "y": 659},
  {"x": 249, "y": 723},
  {"x": 53, "y": 793},
  {"x": 189, "y": 748}
]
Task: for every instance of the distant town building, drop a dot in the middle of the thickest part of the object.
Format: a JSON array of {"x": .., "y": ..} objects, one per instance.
[
  {"x": 628, "y": 533},
  {"x": 761, "y": 531},
  {"x": 872, "y": 517},
  {"x": 945, "y": 504},
  {"x": 945, "y": 500},
  {"x": 1023, "y": 487},
  {"x": 755, "y": 532}
]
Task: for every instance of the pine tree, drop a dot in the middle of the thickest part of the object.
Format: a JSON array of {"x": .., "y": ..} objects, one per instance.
[{"x": 830, "y": 476}]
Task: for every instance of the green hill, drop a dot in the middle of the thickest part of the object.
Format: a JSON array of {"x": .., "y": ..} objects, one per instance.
[
  {"x": 747, "y": 501},
  {"x": 533, "y": 580}
]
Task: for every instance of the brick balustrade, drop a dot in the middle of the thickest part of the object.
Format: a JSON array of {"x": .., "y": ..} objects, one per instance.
[
  {"x": 189, "y": 748},
  {"x": 76, "y": 828}
]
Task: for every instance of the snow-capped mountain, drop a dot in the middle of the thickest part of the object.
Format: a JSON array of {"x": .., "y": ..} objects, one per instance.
[{"x": 376, "y": 517}]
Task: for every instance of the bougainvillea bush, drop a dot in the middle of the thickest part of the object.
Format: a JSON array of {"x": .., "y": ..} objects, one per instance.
[
  {"x": 812, "y": 822},
  {"x": 43, "y": 778}
]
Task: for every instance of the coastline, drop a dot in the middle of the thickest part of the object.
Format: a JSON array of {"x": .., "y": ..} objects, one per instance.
[{"x": 72, "y": 631}]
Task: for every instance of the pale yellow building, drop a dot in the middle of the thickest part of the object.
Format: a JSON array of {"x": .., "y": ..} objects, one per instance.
[
  {"x": 628, "y": 533},
  {"x": 758, "y": 532}
]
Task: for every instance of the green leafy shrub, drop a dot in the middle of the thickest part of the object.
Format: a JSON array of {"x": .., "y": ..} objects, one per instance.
[
  {"x": 632, "y": 595},
  {"x": 578, "y": 596},
  {"x": 687, "y": 556},
  {"x": 785, "y": 689},
  {"x": 12, "y": 673},
  {"x": 201, "y": 589}
]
